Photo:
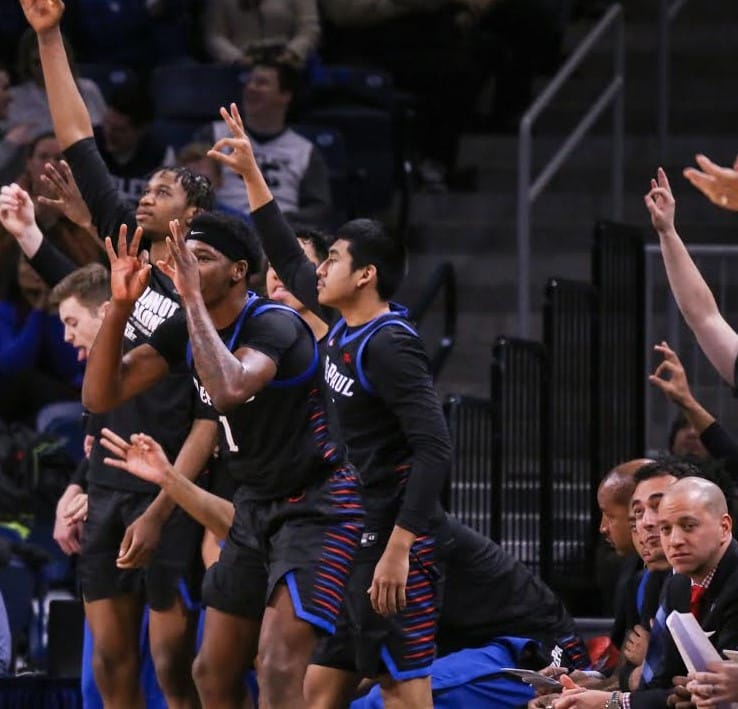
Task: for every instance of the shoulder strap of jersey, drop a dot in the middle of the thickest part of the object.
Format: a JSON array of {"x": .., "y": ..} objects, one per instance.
[
  {"x": 314, "y": 362},
  {"x": 375, "y": 327}
]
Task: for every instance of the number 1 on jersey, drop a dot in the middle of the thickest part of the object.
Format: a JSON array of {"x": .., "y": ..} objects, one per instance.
[{"x": 232, "y": 447}]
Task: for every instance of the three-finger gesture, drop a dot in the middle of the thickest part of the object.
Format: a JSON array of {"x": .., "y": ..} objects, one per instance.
[
  {"x": 670, "y": 376},
  {"x": 660, "y": 203},
  {"x": 142, "y": 457},
  {"x": 235, "y": 152},
  {"x": 181, "y": 265},
  {"x": 129, "y": 270}
]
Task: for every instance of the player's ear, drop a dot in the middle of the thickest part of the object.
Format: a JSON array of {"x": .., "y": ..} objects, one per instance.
[{"x": 239, "y": 271}]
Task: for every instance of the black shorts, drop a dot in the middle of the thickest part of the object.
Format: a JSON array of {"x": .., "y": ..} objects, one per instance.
[
  {"x": 307, "y": 541},
  {"x": 175, "y": 569},
  {"x": 403, "y": 645}
]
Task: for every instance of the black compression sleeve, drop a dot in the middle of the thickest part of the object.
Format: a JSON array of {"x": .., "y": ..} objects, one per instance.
[{"x": 51, "y": 264}]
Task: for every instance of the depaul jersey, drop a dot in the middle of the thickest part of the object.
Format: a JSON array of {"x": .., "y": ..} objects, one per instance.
[
  {"x": 279, "y": 441},
  {"x": 165, "y": 411},
  {"x": 379, "y": 381}
]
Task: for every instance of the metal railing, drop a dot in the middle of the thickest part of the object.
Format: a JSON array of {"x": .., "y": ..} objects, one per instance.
[
  {"x": 718, "y": 264},
  {"x": 443, "y": 279},
  {"x": 668, "y": 11},
  {"x": 528, "y": 188}
]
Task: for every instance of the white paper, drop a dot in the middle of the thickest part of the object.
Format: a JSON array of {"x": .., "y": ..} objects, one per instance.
[{"x": 692, "y": 642}]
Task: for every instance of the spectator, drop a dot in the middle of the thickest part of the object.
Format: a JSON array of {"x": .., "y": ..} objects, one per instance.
[
  {"x": 235, "y": 29},
  {"x": 30, "y": 105},
  {"x": 36, "y": 366},
  {"x": 13, "y": 141},
  {"x": 292, "y": 165},
  {"x": 76, "y": 241},
  {"x": 127, "y": 145}
]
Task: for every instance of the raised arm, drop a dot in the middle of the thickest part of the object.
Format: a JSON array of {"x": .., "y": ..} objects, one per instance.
[
  {"x": 229, "y": 378},
  {"x": 68, "y": 111},
  {"x": 277, "y": 236},
  {"x": 696, "y": 302},
  {"x": 111, "y": 378},
  {"x": 144, "y": 457}
]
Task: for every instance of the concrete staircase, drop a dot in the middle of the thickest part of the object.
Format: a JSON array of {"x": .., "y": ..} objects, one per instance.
[{"x": 476, "y": 231}]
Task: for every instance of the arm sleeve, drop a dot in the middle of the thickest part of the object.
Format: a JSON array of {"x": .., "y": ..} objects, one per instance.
[
  {"x": 287, "y": 257},
  {"x": 397, "y": 366},
  {"x": 11, "y": 161},
  {"x": 107, "y": 207},
  {"x": 19, "y": 350},
  {"x": 51, "y": 264},
  {"x": 719, "y": 443},
  {"x": 315, "y": 191}
]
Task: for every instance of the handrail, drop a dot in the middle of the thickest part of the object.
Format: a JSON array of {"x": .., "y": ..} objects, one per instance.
[
  {"x": 668, "y": 11},
  {"x": 443, "y": 278},
  {"x": 529, "y": 191}
]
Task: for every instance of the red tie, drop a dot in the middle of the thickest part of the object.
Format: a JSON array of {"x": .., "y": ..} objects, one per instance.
[{"x": 695, "y": 599}]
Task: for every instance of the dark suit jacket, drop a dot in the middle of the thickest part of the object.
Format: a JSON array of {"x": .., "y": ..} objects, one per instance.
[{"x": 719, "y": 611}]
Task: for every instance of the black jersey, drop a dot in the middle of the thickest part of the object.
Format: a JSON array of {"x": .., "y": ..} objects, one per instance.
[
  {"x": 389, "y": 414},
  {"x": 489, "y": 593},
  {"x": 166, "y": 410},
  {"x": 279, "y": 440}
]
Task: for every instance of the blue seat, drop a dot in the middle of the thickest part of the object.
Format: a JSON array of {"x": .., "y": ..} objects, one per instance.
[
  {"x": 108, "y": 77},
  {"x": 17, "y": 585},
  {"x": 343, "y": 177},
  {"x": 64, "y": 419},
  {"x": 195, "y": 91}
]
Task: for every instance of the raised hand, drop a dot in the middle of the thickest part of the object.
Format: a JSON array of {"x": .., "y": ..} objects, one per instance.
[
  {"x": 68, "y": 199},
  {"x": 718, "y": 184},
  {"x": 660, "y": 203},
  {"x": 129, "y": 271},
  {"x": 43, "y": 15},
  {"x": 670, "y": 376},
  {"x": 181, "y": 266},
  {"x": 142, "y": 457},
  {"x": 236, "y": 152},
  {"x": 17, "y": 214}
]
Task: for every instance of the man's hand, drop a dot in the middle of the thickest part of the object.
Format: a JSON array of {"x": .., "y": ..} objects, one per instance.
[
  {"x": 635, "y": 645},
  {"x": 670, "y": 376},
  {"x": 236, "y": 152},
  {"x": 181, "y": 266},
  {"x": 718, "y": 184},
  {"x": 717, "y": 685},
  {"x": 67, "y": 536},
  {"x": 387, "y": 592},
  {"x": 76, "y": 509},
  {"x": 660, "y": 203},
  {"x": 16, "y": 211},
  {"x": 129, "y": 271},
  {"x": 139, "y": 542},
  {"x": 43, "y": 15},
  {"x": 142, "y": 457},
  {"x": 680, "y": 698},
  {"x": 579, "y": 697},
  {"x": 68, "y": 200}
]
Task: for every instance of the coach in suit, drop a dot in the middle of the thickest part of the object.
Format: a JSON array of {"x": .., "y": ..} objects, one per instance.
[{"x": 696, "y": 534}]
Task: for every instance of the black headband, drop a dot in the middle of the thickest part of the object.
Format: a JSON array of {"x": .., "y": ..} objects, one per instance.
[{"x": 222, "y": 239}]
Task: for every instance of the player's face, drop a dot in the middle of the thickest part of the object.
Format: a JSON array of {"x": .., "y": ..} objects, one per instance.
[
  {"x": 276, "y": 290},
  {"x": 163, "y": 200},
  {"x": 645, "y": 508},
  {"x": 217, "y": 272},
  {"x": 691, "y": 534},
  {"x": 337, "y": 278},
  {"x": 81, "y": 324}
]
